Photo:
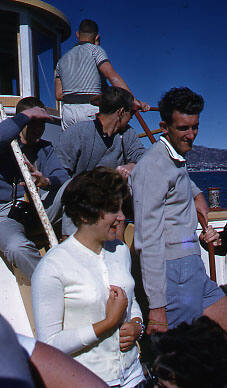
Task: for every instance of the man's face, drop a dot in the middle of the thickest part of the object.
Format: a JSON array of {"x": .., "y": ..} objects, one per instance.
[
  {"x": 182, "y": 132},
  {"x": 124, "y": 119},
  {"x": 32, "y": 132}
]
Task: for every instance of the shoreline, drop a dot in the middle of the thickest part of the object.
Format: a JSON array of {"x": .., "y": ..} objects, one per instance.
[{"x": 189, "y": 170}]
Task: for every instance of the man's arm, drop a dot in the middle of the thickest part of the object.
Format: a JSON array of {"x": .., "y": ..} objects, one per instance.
[
  {"x": 10, "y": 128},
  {"x": 133, "y": 151},
  {"x": 200, "y": 201},
  {"x": 116, "y": 80},
  {"x": 149, "y": 206},
  {"x": 49, "y": 173},
  {"x": 57, "y": 370},
  {"x": 157, "y": 320},
  {"x": 133, "y": 148},
  {"x": 58, "y": 89},
  {"x": 69, "y": 148},
  {"x": 201, "y": 206}
]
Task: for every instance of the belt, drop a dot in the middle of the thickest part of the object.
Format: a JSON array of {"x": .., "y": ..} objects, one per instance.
[{"x": 74, "y": 98}]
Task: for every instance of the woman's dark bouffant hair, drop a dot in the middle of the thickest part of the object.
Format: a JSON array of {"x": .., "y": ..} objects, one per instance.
[
  {"x": 193, "y": 355},
  {"x": 93, "y": 192}
]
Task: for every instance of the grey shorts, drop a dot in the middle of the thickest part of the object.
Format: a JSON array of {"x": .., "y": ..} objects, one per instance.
[{"x": 189, "y": 290}]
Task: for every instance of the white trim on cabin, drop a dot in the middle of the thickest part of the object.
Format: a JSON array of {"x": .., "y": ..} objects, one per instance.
[{"x": 26, "y": 57}]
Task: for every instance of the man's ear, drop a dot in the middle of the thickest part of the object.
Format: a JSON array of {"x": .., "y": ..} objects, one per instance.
[
  {"x": 120, "y": 112},
  {"x": 78, "y": 35},
  {"x": 164, "y": 127},
  {"x": 97, "y": 39}
]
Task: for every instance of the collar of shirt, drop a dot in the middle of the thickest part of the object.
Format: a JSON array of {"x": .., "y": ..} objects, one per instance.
[
  {"x": 106, "y": 139},
  {"x": 172, "y": 152},
  {"x": 80, "y": 43}
]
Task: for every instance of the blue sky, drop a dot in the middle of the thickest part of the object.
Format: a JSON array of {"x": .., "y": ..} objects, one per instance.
[{"x": 156, "y": 45}]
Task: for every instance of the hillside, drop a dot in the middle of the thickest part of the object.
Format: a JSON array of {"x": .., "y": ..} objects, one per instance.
[{"x": 203, "y": 158}]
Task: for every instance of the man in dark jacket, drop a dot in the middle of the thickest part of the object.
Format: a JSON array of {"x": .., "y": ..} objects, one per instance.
[
  {"x": 27, "y": 126},
  {"x": 106, "y": 141}
]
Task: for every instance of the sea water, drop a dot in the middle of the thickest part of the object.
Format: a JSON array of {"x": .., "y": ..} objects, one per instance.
[{"x": 205, "y": 179}]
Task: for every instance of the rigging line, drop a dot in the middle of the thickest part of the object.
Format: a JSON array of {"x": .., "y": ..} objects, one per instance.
[{"x": 45, "y": 79}]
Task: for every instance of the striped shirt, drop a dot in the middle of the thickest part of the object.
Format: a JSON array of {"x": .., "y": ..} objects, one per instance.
[{"x": 78, "y": 69}]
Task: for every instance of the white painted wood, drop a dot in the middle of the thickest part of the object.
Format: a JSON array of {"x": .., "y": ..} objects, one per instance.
[
  {"x": 34, "y": 194},
  {"x": 11, "y": 303},
  {"x": 26, "y": 56},
  {"x": 220, "y": 261}
]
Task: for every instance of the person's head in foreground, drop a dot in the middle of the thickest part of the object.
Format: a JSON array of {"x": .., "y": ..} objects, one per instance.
[
  {"x": 192, "y": 356},
  {"x": 33, "y": 131},
  {"x": 180, "y": 109},
  {"x": 93, "y": 201}
]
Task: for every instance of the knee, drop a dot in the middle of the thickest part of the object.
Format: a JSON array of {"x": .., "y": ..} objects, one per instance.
[
  {"x": 15, "y": 248},
  {"x": 23, "y": 255}
]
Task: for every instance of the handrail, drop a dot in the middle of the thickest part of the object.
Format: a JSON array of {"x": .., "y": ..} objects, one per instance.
[
  {"x": 145, "y": 127},
  {"x": 153, "y": 132}
]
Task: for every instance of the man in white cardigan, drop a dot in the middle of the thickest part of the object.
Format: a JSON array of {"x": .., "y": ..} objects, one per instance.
[{"x": 174, "y": 276}]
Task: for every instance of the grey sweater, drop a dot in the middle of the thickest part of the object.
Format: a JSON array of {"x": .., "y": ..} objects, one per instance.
[
  {"x": 83, "y": 147},
  {"x": 165, "y": 217}
]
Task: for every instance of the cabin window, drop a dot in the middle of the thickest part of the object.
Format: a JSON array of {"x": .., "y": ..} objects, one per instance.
[
  {"x": 44, "y": 67},
  {"x": 9, "y": 73}
]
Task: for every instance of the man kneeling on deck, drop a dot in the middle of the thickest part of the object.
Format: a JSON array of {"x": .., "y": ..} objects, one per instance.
[
  {"x": 174, "y": 275},
  {"x": 28, "y": 126}
]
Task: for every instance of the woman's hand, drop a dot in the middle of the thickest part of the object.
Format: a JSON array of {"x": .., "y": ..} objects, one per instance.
[
  {"x": 115, "y": 309},
  {"x": 116, "y": 306},
  {"x": 129, "y": 332}
]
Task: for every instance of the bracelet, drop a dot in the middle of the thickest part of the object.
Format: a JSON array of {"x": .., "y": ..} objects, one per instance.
[
  {"x": 142, "y": 329},
  {"x": 150, "y": 322}
]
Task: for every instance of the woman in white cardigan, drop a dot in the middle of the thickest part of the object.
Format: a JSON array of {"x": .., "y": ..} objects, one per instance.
[{"x": 83, "y": 291}]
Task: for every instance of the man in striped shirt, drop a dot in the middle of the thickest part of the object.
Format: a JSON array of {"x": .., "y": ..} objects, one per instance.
[{"x": 79, "y": 76}]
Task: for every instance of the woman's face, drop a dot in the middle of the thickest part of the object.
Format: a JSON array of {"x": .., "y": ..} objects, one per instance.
[{"x": 108, "y": 224}]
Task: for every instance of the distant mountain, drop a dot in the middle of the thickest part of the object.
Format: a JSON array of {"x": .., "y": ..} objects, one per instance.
[{"x": 203, "y": 158}]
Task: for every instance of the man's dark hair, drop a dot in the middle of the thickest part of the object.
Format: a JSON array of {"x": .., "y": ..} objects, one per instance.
[
  {"x": 193, "y": 355},
  {"x": 115, "y": 98},
  {"x": 91, "y": 193},
  {"x": 182, "y": 100},
  {"x": 27, "y": 103},
  {"x": 88, "y": 26}
]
